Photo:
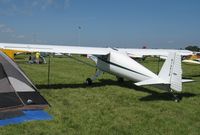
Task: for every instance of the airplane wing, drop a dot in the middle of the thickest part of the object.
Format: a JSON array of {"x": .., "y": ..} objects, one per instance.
[
  {"x": 56, "y": 49},
  {"x": 154, "y": 52},
  {"x": 89, "y": 50}
]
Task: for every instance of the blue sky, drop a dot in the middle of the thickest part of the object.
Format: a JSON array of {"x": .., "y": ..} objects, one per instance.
[{"x": 116, "y": 23}]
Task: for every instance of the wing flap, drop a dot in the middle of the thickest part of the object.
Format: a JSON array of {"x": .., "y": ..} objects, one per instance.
[{"x": 154, "y": 52}]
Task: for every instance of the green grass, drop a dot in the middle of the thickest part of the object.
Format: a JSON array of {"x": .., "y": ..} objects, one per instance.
[{"x": 107, "y": 107}]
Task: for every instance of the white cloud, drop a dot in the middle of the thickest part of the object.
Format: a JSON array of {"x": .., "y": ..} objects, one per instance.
[
  {"x": 20, "y": 36},
  {"x": 66, "y": 3},
  {"x": 8, "y": 34},
  {"x": 44, "y": 4},
  {"x": 6, "y": 29},
  {"x": 2, "y": 25},
  {"x": 24, "y": 7},
  {"x": 170, "y": 41}
]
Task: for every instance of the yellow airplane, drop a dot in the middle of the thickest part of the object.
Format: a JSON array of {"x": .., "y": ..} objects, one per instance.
[{"x": 11, "y": 53}]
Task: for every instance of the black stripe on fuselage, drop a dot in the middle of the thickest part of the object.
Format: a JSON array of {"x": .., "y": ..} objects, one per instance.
[{"x": 108, "y": 62}]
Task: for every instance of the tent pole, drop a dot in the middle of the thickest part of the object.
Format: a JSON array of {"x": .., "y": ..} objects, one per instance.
[{"x": 49, "y": 71}]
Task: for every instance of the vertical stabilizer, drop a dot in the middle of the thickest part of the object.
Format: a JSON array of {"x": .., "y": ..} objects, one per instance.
[
  {"x": 171, "y": 71},
  {"x": 176, "y": 77}
]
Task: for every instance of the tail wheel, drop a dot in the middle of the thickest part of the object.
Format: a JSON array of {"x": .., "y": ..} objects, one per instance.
[{"x": 177, "y": 98}]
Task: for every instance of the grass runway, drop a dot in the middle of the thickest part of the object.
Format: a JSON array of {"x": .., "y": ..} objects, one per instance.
[{"x": 107, "y": 107}]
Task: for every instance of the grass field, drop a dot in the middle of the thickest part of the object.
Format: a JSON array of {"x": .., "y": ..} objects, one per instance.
[{"x": 109, "y": 108}]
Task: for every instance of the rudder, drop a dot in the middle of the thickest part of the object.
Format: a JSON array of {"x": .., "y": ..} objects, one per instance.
[{"x": 171, "y": 71}]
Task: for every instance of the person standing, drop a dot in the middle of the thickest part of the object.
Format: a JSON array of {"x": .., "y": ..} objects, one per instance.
[{"x": 37, "y": 56}]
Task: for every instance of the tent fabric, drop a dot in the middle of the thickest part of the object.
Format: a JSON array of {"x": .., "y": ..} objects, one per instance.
[
  {"x": 5, "y": 85},
  {"x": 16, "y": 90},
  {"x": 27, "y": 115}
]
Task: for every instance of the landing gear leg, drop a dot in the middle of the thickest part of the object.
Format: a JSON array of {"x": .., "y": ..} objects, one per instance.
[
  {"x": 94, "y": 77},
  {"x": 176, "y": 98}
]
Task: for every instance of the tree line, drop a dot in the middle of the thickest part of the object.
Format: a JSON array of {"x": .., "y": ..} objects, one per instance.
[{"x": 193, "y": 48}]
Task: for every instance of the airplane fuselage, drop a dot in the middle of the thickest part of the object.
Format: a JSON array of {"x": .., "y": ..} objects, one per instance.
[{"x": 121, "y": 65}]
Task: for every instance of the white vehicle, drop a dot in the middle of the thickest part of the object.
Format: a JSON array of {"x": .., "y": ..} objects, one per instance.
[{"x": 117, "y": 61}]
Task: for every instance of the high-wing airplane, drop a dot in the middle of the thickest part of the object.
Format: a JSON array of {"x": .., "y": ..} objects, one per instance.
[{"x": 118, "y": 61}]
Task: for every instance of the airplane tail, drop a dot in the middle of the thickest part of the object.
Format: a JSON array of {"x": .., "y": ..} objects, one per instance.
[
  {"x": 170, "y": 74},
  {"x": 171, "y": 71}
]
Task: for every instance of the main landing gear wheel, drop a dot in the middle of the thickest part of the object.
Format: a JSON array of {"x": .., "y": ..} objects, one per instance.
[
  {"x": 88, "y": 81},
  {"x": 120, "y": 79}
]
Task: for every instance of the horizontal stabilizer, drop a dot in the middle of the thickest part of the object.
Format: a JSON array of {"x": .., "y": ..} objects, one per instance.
[
  {"x": 187, "y": 80},
  {"x": 156, "y": 81},
  {"x": 150, "y": 82}
]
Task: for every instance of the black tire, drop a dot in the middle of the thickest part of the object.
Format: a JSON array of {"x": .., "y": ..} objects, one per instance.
[
  {"x": 120, "y": 79},
  {"x": 176, "y": 100},
  {"x": 89, "y": 81}
]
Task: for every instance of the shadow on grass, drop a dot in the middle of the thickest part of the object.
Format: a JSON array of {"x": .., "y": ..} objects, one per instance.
[
  {"x": 78, "y": 85},
  {"x": 190, "y": 76},
  {"x": 166, "y": 96},
  {"x": 22, "y": 62},
  {"x": 153, "y": 95}
]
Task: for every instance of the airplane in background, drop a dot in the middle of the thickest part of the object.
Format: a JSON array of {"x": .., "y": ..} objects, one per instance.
[
  {"x": 193, "y": 59},
  {"x": 11, "y": 53},
  {"x": 118, "y": 62}
]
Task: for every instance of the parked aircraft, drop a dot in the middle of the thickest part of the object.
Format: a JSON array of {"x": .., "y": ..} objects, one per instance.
[
  {"x": 117, "y": 61},
  {"x": 194, "y": 59},
  {"x": 11, "y": 53}
]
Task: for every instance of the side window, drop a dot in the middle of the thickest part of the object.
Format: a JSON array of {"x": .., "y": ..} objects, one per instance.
[{"x": 104, "y": 57}]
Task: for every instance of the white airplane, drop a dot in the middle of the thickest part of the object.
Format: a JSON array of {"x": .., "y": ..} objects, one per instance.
[{"x": 117, "y": 61}]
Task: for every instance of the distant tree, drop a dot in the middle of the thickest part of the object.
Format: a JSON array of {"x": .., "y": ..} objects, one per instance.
[{"x": 193, "y": 48}]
